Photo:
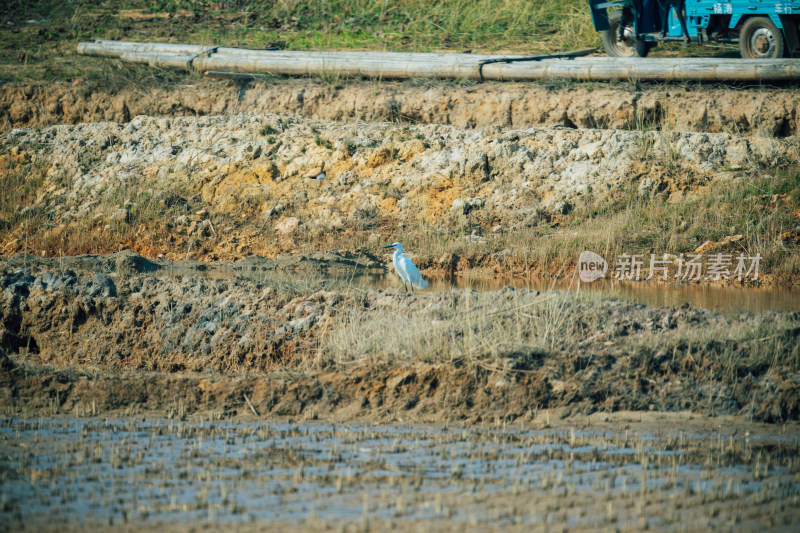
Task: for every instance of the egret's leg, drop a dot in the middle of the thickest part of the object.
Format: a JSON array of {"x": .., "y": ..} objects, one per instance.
[{"x": 405, "y": 287}]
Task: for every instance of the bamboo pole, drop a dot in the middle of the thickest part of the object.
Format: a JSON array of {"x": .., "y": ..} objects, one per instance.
[
  {"x": 440, "y": 65},
  {"x": 115, "y": 50}
]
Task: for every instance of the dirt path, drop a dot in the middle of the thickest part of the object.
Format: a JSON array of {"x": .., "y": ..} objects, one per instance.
[{"x": 767, "y": 111}]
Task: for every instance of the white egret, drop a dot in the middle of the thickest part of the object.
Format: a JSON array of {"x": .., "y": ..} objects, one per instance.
[
  {"x": 318, "y": 177},
  {"x": 317, "y": 174},
  {"x": 406, "y": 269}
]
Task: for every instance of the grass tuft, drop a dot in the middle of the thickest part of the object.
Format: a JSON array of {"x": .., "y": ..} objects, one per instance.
[{"x": 466, "y": 327}]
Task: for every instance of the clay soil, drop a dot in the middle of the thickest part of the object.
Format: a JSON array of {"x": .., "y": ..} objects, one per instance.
[
  {"x": 121, "y": 334},
  {"x": 493, "y": 164},
  {"x": 763, "y": 110}
]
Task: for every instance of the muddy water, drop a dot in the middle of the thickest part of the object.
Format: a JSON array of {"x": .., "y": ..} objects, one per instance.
[
  {"x": 724, "y": 299},
  {"x": 83, "y": 472}
]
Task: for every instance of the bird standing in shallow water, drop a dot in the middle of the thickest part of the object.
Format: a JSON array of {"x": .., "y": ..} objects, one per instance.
[{"x": 406, "y": 269}]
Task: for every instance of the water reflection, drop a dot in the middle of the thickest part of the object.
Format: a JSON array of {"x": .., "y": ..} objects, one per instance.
[
  {"x": 718, "y": 298},
  {"x": 137, "y": 473},
  {"x": 724, "y": 299}
]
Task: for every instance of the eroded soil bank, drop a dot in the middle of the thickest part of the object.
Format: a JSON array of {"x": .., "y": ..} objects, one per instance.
[
  {"x": 762, "y": 110},
  {"x": 127, "y": 338},
  {"x": 504, "y": 201}
]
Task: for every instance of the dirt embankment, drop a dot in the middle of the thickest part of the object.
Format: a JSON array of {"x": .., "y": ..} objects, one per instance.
[
  {"x": 227, "y": 186},
  {"x": 764, "y": 111},
  {"x": 77, "y": 341}
]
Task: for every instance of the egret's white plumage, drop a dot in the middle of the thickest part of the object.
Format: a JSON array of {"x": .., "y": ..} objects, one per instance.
[
  {"x": 406, "y": 268},
  {"x": 318, "y": 177}
]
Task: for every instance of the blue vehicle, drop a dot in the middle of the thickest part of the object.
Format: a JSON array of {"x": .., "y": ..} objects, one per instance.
[{"x": 763, "y": 29}]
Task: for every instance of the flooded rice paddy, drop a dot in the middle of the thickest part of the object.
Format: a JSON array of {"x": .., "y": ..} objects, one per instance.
[{"x": 60, "y": 472}]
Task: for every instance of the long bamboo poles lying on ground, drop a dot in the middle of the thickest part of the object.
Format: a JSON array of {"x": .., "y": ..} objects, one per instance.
[{"x": 439, "y": 65}]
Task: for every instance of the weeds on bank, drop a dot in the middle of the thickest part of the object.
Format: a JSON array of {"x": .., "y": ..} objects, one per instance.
[
  {"x": 464, "y": 327},
  {"x": 759, "y": 208},
  {"x": 766, "y": 345},
  {"x": 330, "y": 76},
  {"x": 657, "y": 142},
  {"x": 40, "y": 229},
  {"x": 522, "y": 330},
  {"x": 20, "y": 180}
]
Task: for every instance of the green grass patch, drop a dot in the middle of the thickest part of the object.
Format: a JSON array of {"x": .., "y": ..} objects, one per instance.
[{"x": 39, "y": 41}]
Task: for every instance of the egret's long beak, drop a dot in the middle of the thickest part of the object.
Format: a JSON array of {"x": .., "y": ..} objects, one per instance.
[{"x": 390, "y": 246}]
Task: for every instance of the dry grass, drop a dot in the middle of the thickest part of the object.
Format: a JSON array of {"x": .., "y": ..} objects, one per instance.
[
  {"x": 463, "y": 327},
  {"x": 523, "y": 330},
  {"x": 20, "y": 179},
  {"x": 765, "y": 346},
  {"x": 761, "y": 208}
]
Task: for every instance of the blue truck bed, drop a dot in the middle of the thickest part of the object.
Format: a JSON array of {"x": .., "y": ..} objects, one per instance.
[{"x": 762, "y": 28}]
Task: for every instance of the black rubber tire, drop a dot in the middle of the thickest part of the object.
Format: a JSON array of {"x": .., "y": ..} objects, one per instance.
[
  {"x": 626, "y": 47},
  {"x": 759, "y": 38}
]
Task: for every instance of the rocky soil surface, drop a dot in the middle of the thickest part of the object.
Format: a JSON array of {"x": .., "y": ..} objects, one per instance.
[
  {"x": 156, "y": 184},
  {"x": 91, "y": 338},
  {"x": 767, "y": 111}
]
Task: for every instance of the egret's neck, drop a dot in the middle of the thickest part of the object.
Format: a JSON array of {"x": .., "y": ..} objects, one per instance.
[{"x": 397, "y": 253}]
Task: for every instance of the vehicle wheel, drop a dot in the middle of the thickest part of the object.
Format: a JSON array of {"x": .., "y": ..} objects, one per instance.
[
  {"x": 759, "y": 39},
  {"x": 628, "y": 46}
]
